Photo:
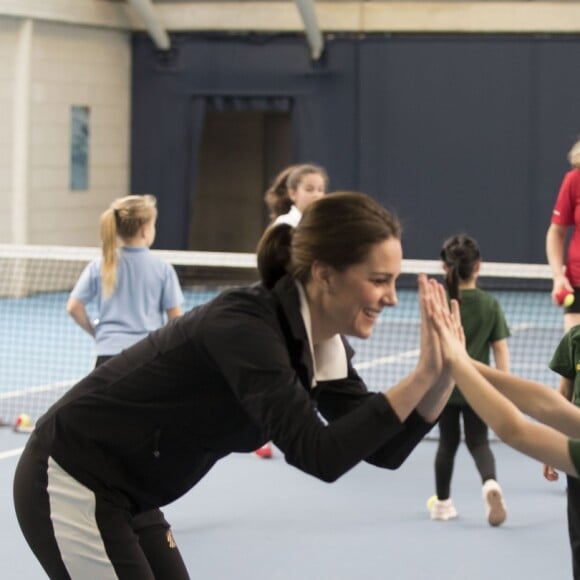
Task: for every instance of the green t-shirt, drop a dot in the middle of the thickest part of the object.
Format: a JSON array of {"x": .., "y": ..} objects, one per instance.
[
  {"x": 566, "y": 360},
  {"x": 574, "y": 451},
  {"x": 484, "y": 323}
]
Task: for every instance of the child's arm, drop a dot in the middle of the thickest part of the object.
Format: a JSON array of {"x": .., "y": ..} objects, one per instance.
[
  {"x": 497, "y": 411},
  {"x": 79, "y": 314},
  {"x": 565, "y": 389},
  {"x": 501, "y": 355},
  {"x": 173, "y": 312},
  {"x": 555, "y": 244},
  {"x": 535, "y": 399},
  {"x": 534, "y": 439}
]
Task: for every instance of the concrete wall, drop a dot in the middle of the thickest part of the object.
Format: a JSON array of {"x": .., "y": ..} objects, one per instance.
[
  {"x": 64, "y": 65},
  {"x": 8, "y": 37}
]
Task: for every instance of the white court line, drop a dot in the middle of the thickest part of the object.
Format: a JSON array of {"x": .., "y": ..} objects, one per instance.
[
  {"x": 387, "y": 360},
  {"x": 39, "y": 389},
  {"x": 11, "y": 453}
]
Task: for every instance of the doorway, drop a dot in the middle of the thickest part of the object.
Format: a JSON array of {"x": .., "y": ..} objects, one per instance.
[{"x": 240, "y": 153}]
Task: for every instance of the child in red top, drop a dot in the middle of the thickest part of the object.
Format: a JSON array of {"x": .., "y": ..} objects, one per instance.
[{"x": 566, "y": 213}]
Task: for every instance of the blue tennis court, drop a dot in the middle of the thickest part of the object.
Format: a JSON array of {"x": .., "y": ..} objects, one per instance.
[{"x": 371, "y": 523}]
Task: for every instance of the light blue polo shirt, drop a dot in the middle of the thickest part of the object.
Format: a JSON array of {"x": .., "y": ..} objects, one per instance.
[{"x": 146, "y": 288}]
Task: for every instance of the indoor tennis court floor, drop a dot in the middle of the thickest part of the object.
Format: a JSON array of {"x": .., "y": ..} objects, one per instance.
[{"x": 254, "y": 519}]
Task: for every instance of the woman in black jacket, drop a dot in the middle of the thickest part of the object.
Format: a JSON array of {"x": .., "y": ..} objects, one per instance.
[{"x": 254, "y": 364}]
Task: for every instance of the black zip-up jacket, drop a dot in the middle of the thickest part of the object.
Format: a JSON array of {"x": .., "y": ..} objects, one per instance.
[{"x": 225, "y": 377}]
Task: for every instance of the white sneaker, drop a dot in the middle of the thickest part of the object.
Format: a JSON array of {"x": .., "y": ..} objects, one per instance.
[
  {"x": 493, "y": 498},
  {"x": 443, "y": 510}
]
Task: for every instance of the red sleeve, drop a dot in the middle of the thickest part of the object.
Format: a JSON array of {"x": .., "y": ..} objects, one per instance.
[{"x": 563, "y": 212}]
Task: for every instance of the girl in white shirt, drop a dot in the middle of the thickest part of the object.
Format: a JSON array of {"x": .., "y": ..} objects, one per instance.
[{"x": 293, "y": 190}]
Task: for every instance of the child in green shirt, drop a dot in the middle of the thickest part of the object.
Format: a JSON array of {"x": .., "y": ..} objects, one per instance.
[
  {"x": 485, "y": 329},
  {"x": 566, "y": 362},
  {"x": 503, "y": 400}
]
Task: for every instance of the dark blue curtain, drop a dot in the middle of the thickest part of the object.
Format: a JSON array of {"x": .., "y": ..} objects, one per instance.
[
  {"x": 232, "y": 73},
  {"x": 453, "y": 132},
  {"x": 469, "y": 133}
]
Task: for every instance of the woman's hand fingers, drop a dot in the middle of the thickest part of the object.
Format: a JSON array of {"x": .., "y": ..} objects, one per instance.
[
  {"x": 445, "y": 319},
  {"x": 430, "y": 355}
]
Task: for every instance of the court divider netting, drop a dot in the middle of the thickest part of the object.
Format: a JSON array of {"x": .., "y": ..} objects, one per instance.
[{"x": 43, "y": 352}]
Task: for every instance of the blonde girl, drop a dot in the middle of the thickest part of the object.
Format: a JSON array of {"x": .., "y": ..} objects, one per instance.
[{"x": 135, "y": 292}]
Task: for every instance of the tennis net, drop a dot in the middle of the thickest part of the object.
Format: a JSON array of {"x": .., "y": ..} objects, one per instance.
[{"x": 43, "y": 352}]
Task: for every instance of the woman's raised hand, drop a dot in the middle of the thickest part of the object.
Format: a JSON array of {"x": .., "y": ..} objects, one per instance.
[
  {"x": 446, "y": 320},
  {"x": 430, "y": 356}
]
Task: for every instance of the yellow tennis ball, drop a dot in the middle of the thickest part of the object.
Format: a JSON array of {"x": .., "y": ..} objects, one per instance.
[
  {"x": 23, "y": 420},
  {"x": 431, "y": 502},
  {"x": 569, "y": 300}
]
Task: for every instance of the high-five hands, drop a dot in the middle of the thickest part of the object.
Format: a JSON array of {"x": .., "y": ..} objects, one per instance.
[{"x": 445, "y": 318}]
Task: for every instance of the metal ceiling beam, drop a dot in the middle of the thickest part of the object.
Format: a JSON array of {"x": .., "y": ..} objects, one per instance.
[
  {"x": 146, "y": 12},
  {"x": 311, "y": 28}
]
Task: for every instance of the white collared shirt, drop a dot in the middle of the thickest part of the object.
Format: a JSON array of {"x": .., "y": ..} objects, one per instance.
[
  {"x": 329, "y": 358},
  {"x": 292, "y": 218}
]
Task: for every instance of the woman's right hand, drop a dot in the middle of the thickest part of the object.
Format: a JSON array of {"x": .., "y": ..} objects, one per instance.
[
  {"x": 445, "y": 319},
  {"x": 430, "y": 357}
]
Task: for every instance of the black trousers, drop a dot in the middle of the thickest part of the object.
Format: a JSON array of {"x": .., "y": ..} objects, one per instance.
[
  {"x": 476, "y": 439},
  {"x": 573, "y": 495},
  {"x": 78, "y": 534}
]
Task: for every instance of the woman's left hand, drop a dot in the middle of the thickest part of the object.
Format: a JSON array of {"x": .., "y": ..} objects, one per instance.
[
  {"x": 430, "y": 357},
  {"x": 446, "y": 321}
]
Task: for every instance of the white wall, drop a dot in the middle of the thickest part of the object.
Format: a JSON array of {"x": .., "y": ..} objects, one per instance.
[
  {"x": 77, "y": 66},
  {"x": 8, "y": 36},
  {"x": 69, "y": 65}
]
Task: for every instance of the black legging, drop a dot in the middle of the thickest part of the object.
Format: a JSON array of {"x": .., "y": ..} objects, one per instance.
[
  {"x": 140, "y": 547},
  {"x": 144, "y": 546},
  {"x": 476, "y": 440},
  {"x": 573, "y": 493}
]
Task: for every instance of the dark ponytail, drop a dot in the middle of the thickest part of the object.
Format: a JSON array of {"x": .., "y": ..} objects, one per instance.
[
  {"x": 338, "y": 229},
  {"x": 273, "y": 253},
  {"x": 460, "y": 254}
]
